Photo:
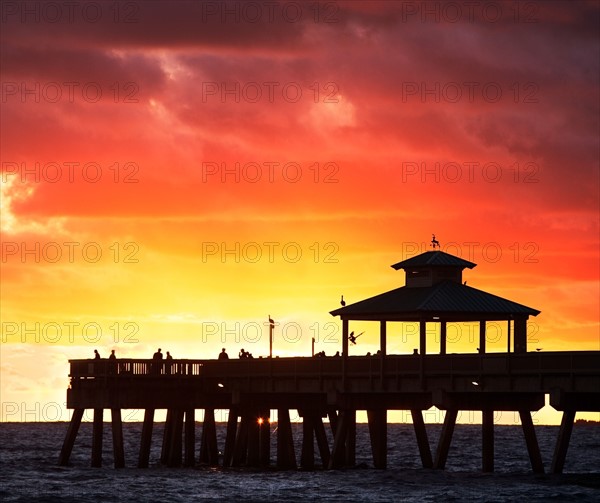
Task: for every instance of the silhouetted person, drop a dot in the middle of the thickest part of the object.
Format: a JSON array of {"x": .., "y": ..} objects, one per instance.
[
  {"x": 169, "y": 363},
  {"x": 112, "y": 366},
  {"x": 223, "y": 355},
  {"x": 242, "y": 354},
  {"x": 157, "y": 357},
  {"x": 96, "y": 354},
  {"x": 415, "y": 351},
  {"x": 337, "y": 353}
]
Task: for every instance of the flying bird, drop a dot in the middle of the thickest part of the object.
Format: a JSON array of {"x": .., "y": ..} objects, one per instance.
[
  {"x": 352, "y": 338},
  {"x": 343, "y": 302}
]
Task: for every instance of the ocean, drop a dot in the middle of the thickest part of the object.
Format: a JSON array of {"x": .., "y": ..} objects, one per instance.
[{"x": 30, "y": 473}]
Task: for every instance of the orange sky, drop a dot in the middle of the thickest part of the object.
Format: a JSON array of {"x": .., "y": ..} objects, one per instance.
[{"x": 171, "y": 175}]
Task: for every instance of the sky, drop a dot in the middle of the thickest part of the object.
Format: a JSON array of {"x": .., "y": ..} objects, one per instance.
[{"x": 173, "y": 173}]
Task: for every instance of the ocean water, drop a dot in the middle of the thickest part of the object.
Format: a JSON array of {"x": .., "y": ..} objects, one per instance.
[{"x": 29, "y": 471}]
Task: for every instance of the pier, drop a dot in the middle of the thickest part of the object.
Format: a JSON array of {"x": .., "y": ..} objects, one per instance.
[
  {"x": 337, "y": 387},
  {"x": 251, "y": 388}
]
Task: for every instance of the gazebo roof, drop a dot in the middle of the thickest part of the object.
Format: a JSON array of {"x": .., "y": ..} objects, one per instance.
[
  {"x": 434, "y": 258},
  {"x": 446, "y": 300}
]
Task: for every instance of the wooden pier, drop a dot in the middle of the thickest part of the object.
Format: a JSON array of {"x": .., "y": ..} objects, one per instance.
[
  {"x": 336, "y": 387},
  {"x": 332, "y": 387}
]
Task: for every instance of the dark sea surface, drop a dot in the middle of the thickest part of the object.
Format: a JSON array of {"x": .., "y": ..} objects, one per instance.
[{"x": 29, "y": 470}]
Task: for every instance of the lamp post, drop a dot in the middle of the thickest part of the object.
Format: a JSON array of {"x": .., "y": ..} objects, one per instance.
[{"x": 271, "y": 328}]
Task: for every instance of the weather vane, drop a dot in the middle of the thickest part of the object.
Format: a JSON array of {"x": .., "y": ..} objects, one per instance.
[{"x": 434, "y": 242}]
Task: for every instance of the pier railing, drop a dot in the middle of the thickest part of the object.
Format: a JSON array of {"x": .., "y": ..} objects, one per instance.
[{"x": 539, "y": 371}]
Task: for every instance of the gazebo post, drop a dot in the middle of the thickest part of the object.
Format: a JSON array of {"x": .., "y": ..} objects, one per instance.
[
  {"x": 382, "y": 337},
  {"x": 422, "y": 337},
  {"x": 344, "y": 351},
  {"x": 520, "y": 335},
  {"x": 443, "y": 337},
  {"x": 482, "y": 336},
  {"x": 382, "y": 350},
  {"x": 508, "y": 337}
]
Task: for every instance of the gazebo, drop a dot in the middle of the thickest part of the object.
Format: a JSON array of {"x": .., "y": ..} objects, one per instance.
[{"x": 435, "y": 293}]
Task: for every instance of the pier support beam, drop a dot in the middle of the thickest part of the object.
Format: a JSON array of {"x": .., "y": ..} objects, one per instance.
[
  {"x": 422, "y": 440},
  {"x": 190, "y": 438},
  {"x": 338, "y": 452},
  {"x": 166, "y": 444},
  {"x": 443, "y": 447},
  {"x": 230, "y": 437},
  {"x": 378, "y": 433},
  {"x": 286, "y": 457},
  {"x": 146, "y": 442},
  {"x": 351, "y": 438},
  {"x": 241, "y": 441},
  {"x": 253, "y": 456},
  {"x": 209, "y": 452},
  {"x": 117, "y": 435},
  {"x": 322, "y": 443},
  {"x": 487, "y": 440},
  {"x": 562, "y": 443},
  {"x": 97, "y": 438},
  {"x": 67, "y": 447},
  {"x": 175, "y": 450},
  {"x": 264, "y": 438},
  {"x": 344, "y": 444},
  {"x": 531, "y": 440},
  {"x": 307, "y": 457}
]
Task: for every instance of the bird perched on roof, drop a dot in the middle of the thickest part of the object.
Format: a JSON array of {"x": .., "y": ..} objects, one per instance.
[
  {"x": 434, "y": 242},
  {"x": 343, "y": 302}
]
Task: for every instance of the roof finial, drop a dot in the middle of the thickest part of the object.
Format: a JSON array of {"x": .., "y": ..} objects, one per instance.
[{"x": 434, "y": 242}]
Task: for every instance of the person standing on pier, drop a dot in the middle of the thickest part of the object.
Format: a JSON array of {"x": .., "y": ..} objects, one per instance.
[
  {"x": 96, "y": 354},
  {"x": 157, "y": 357},
  {"x": 169, "y": 363},
  {"x": 112, "y": 366},
  {"x": 223, "y": 355}
]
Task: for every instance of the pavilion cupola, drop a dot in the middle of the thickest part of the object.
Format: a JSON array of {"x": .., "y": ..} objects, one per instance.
[{"x": 432, "y": 267}]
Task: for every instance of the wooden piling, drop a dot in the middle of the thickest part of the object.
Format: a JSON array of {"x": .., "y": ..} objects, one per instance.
[
  {"x": 487, "y": 435},
  {"x": 531, "y": 440},
  {"x": 69, "y": 442},
  {"x": 322, "y": 443},
  {"x": 166, "y": 444},
  {"x": 378, "y": 434},
  {"x": 175, "y": 447},
  {"x": 117, "y": 435},
  {"x": 190, "y": 438},
  {"x": 253, "y": 456},
  {"x": 562, "y": 442},
  {"x": 97, "y": 438},
  {"x": 351, "y": 439},
  {"x": 264, "y": 438},
  {"x": 146, "y": 441},
  {"x": 230, "y": 437},
  {"x": 422, "y": 440},
  {"x": 241, "y": 441},
  {"x": 209, "y": 451},
  {"x": 441, "y": 454},
  {"x": 307, "y": 457},
  {"x": 338, "y": 452},
  {"x": 286, "y": 457}
]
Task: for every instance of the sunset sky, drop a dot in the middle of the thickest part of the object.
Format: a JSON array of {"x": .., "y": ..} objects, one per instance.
[{"x": 175, "y": 172}]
